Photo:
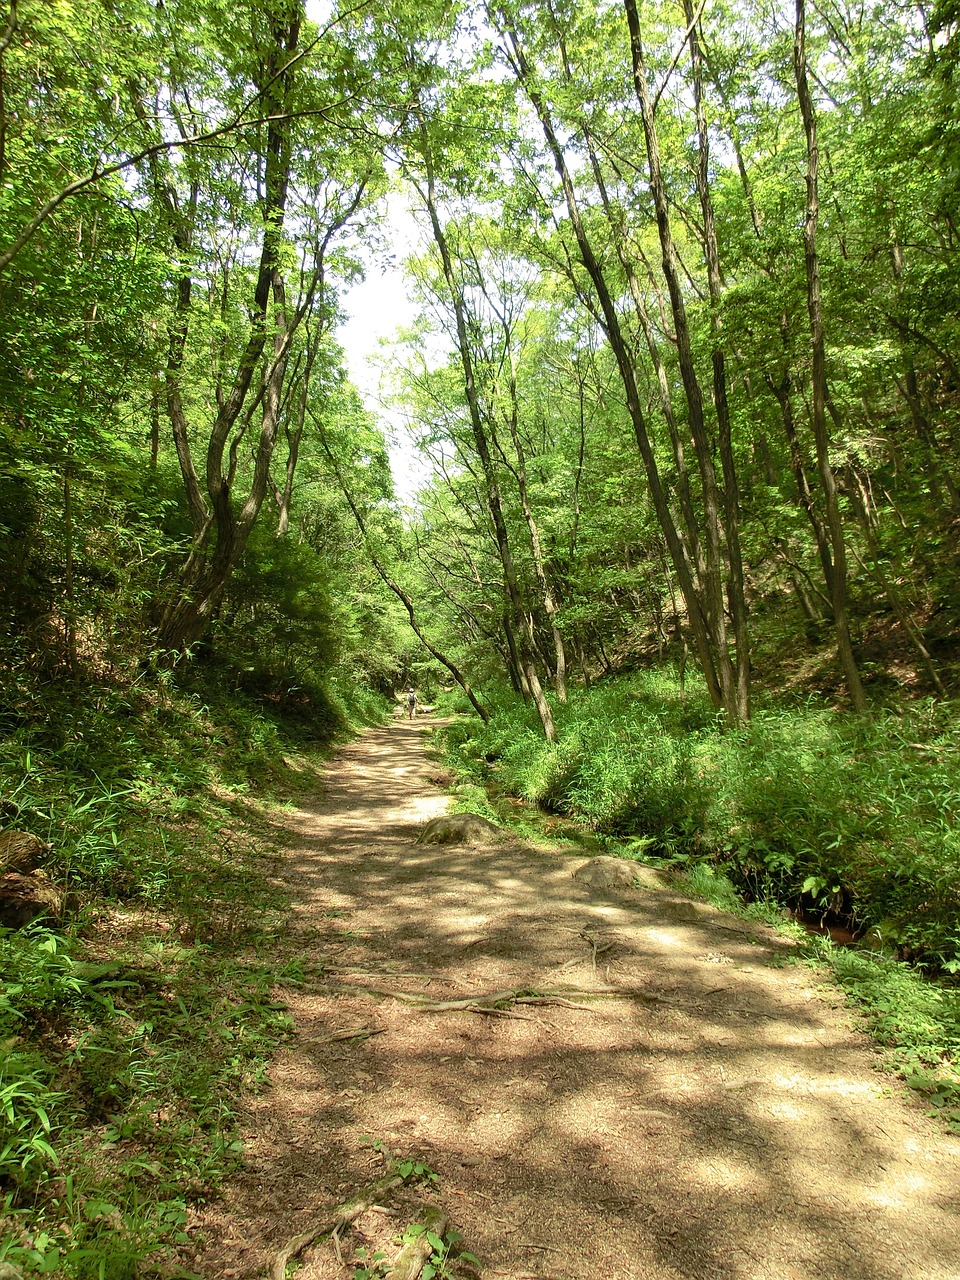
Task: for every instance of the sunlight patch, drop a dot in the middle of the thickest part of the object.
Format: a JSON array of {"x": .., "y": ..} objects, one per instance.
[
  {"x": 841, "y": 1087},
  {"x": 785, "y": 1110},
  {"x": 898, "y": 1192},
  {"x": 664, "y": 937},
  {"x": 728, "y": 1174}
]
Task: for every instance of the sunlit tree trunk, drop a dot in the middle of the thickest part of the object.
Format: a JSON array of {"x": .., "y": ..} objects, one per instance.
[
  {"x": 733, "y": 680},
  {"x": 699, "y": 623}
]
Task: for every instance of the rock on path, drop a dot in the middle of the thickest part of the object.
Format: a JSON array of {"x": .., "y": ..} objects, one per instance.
[{"x": 720, "y": 1118}]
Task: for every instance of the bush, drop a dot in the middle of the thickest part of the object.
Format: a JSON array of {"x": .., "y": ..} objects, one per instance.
[{"x": 836, "y": 813}]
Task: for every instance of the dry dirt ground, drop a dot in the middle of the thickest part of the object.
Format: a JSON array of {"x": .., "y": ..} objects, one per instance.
[{"x": 716, "y": 1115}]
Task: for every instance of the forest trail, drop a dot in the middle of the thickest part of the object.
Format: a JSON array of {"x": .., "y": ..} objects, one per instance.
[{"x": 722, "y": 1118}]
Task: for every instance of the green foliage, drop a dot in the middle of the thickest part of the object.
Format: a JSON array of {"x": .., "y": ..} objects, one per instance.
[
  {"x": 918, "y": 1021},
  {"x": 126, "y": 1035},
  {"x": 622, "y": 761},
  {"x": 801, "y": 804},
  {"x": 370, "y": 1266},
  {"x": 444, "y": 1253}
]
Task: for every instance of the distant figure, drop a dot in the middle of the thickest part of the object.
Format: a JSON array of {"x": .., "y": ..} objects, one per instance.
[{"x": 411, "y": 704}]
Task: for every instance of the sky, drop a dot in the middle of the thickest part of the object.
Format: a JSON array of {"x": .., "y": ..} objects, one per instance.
[{"x": 376, "y": 308}]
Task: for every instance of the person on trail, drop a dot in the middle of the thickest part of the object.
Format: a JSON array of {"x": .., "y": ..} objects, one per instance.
[{"x": 411, "y": 704}]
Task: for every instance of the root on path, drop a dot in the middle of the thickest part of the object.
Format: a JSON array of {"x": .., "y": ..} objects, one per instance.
[{"x": 333, "y": 1221}]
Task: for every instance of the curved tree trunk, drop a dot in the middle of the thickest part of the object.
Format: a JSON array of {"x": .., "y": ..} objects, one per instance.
[
  {"x": 700, "y": 624},
  {"x": 491, "y": 480},
  {"x": 733, "y": 679}
]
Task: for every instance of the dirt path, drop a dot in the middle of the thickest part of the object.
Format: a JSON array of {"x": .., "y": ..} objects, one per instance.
[{"x": 734, "y": 1125}]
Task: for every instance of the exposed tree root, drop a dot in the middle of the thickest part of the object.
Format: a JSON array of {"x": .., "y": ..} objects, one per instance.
[
  {"x": 333, "y": 1221},
  {"x": 356, "y": 1033},
  {"x": 410, "y": 1261},
  {"x": 492, "y": 1001}
]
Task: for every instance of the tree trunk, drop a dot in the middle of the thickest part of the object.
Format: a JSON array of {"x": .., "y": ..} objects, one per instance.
[
  {"x": 729, "y": 678},
  {"x": 546, "y": 591},
  {"x": 819, "y": 393},
  {"x": 731, "y": 500},
  {"x": 491, "y": 480},
  {"x": 861, "y": 502},
  {"x": 399, "y": 592},
  {"x": 781, "y": 391},
  {"x": 221, "y": 530},
  {"x": 699, "y": 623}
]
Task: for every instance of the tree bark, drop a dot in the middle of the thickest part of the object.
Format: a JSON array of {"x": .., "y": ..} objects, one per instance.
[
  {"x": 781, "y": 391},
  {"x": 731, "y": 499},
  {"x": 819, "y": 392},
  {"x": 491, "y": 479},
  {"x": 398, "y": 591},
  {"x": 729, "y": 678},
  {"x": 536, "y": 547},
  {"x": 699, "y": 622}
]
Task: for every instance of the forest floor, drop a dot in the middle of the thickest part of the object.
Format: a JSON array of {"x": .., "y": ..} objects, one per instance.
[{"x": 711, "y": 1111}]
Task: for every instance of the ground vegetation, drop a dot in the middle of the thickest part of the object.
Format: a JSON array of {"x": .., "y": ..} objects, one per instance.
[{"x": 684, "y": 373}]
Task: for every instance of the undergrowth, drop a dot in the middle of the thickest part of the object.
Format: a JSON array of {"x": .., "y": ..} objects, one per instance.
[
  {"x": 846, "y": 817},
  {"x": 129, "y": 1030},
  {"x": 857, "y": 816}
]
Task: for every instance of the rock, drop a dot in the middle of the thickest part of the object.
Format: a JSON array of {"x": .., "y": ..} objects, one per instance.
[
  {"x": 20, "y": 851},
  {"x": 23, "y": 898},
  {"x": 459, "y": 828},
  {"x": 608, "y": 874},
  {"x": 651, "y": 877},
  {"x": 684, "y": 912}
]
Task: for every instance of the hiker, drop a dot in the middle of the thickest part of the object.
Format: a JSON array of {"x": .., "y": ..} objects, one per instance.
[{"x": 411, "y": 704}]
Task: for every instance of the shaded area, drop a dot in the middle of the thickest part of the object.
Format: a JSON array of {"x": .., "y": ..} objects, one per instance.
[{"x": 714, "y": 1116}]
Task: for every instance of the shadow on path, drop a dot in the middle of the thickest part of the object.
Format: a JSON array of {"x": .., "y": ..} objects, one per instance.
[{"x": 714, "y": 1116}]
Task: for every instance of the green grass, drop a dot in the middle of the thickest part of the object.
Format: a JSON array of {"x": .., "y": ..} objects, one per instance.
[
  {"x": 129, "y": 1030},
  {"x": 802, "y": 806},
  {"x": 915, "y": 1019},
  {"x": 856, "y": 815}
]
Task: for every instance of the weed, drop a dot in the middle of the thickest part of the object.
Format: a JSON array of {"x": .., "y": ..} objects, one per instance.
[
  {"x": 916, "y": 1020},
  {"x": 444, "y": 1252},
  {"x": 416, "y": 1171},
  {"x": 126, "y": 1034},
  {"x": 370, "y": 1266}
]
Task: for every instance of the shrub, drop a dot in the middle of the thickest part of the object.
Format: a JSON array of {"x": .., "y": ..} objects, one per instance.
[{"x": 853, "y": 815}]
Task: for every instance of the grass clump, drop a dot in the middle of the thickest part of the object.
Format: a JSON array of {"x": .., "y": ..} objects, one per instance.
[
  {"x": 130, "y": 1027},
  {"x": 853, "y": 816},
  {"x": 848, "y": 818},
  {"x": 917, "y": 1022},
  {"x": 914, "y": 1018}
]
